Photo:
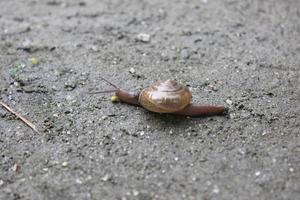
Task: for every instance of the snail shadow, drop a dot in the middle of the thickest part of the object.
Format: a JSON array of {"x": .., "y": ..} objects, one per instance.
[
  {"x": 168, "y": 119},
  {"x": 175, "y": 121},
  {"x": 179, "y": 122}
]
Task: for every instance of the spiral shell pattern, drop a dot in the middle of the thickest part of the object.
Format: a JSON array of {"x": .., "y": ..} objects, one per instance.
[{"x": 165, "y": 97}]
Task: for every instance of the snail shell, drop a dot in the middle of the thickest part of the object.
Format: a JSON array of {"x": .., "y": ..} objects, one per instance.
[{"x": 165, "y": 97}]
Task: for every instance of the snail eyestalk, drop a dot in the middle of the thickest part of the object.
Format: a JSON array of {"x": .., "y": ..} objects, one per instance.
[
  {"x": 110, "y": 83},
  {"x": 106, "y": 91}
]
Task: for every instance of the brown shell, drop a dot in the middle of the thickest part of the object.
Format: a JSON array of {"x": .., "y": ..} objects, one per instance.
[{"x": 165, "y": 97}]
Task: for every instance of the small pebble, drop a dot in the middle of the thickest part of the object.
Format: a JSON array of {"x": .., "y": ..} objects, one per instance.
[
  {"x": 185, "y": 54},
  {"x": 132, "y": 70},
  {"x": 104, "y": 117},
  {"x": 143, "y": 37},
  {"x": 71, "y": 99},
  {"x": 2, "y": 113},
  {"x": 106, "y": 177},
  {"x": 164, "y": 56},
  {"x": 65, "y": 164},
  {"x": 78, "y": 181},
  {"x": 71, "y": 84},
  {"x": 1, "y": 182},
  {"x": 257, "y": 173},
  {"x": 94, "y": 48},
  {"x": 135, "y": 192},
  {"x": 45, "y": 169},
  {"x": 229, "y": 102},
  {"x": 216, "y": 189},
  {"x": 16, "y": 168},
  {"x": 114, "y": 98},
  {"x": 34, "y": 61},
  {"x": 241, "y": 151},
  {"x": 213, "y": 88}
]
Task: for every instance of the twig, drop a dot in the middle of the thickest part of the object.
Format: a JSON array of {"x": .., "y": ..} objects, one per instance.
[{"x": 27, "y": 122}]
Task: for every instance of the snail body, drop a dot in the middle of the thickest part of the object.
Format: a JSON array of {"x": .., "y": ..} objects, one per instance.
[{"x": 166, "y": 97}]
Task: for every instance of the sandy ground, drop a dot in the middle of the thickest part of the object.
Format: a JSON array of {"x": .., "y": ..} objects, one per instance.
[{"x": 242, "y": 54}]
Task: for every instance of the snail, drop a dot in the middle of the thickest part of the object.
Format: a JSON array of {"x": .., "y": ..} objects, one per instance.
[{"x": 168, "y": 97}]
